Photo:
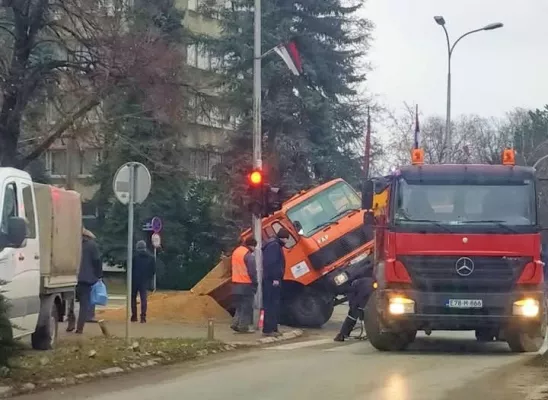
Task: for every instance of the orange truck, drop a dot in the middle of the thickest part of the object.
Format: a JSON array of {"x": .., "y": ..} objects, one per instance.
[{"x": 329, "y": 243}]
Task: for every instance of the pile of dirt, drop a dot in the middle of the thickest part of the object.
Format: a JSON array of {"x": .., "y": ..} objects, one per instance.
[{"x": 175, "y": 307}]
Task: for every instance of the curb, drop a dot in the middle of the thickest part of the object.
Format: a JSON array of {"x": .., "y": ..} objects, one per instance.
[
  {"x": 268, "y": 340},
  {"x": 12, "y": 391}
]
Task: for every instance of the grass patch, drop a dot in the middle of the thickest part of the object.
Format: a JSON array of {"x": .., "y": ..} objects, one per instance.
[
  {"x": 89, "y": 356},
  {"x": 115, "y": 285}
]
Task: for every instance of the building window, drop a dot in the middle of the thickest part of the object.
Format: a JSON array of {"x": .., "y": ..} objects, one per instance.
[
  {"x": 83, "y": 162},
  {"x": 202, "y": 163},
  {"x": 192, "y": 5},
  {"x": 198, "y": 56}
]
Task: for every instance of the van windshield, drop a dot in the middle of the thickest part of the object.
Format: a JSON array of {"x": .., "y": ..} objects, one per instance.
[{"x": 324, "y": 208}]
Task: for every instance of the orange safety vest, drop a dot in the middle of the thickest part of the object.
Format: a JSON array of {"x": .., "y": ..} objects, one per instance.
[{"x": 239, "y": 269}]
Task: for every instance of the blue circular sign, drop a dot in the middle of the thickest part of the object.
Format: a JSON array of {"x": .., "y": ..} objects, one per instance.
[{"x": 156, "y": 224}]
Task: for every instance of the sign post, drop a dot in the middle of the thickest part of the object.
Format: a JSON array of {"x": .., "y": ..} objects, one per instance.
[
  {"x": 131, "y": 185},
  {"x": 156, "y": 240}
]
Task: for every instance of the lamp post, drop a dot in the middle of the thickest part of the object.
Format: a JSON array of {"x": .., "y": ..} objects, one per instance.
[{"x": 450, "y": 48}]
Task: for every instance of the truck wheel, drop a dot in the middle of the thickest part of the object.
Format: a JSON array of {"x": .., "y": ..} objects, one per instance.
[
  {"x": 45, "y": 336},
  {"x": 485, "y": 335},
  {"x": 384, "y": 341},
  {"x": 309, "y": 309},
  {"x": 522, "y": 342}
]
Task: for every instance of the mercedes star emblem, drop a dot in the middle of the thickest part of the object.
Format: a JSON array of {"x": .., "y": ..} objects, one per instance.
[{"x": 464, "y": 266}]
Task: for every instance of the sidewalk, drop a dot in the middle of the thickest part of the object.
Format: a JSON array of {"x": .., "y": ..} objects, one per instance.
[{"x": 155, "y": 329}]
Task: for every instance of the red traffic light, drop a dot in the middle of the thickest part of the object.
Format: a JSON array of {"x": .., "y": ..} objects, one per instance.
[{"x": 256, "y": 178}]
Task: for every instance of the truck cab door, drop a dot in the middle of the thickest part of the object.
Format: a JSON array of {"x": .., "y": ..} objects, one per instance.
[
  {"x": 30, "y": 263},
  {"x": 13, "y": 273}
]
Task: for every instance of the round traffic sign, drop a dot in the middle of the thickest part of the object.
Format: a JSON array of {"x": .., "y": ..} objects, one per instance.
[
  {"x": 156, "y": 224},
  {"x": 156, "y": 240},
  {"x": 142, "y": 183}
]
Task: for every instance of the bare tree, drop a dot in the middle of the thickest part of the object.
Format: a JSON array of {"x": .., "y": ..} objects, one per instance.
[{"x": 73, "y": 54}]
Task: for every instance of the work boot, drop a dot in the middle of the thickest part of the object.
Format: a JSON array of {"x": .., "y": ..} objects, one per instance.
[
  {"x": 347, "y": 327},
  {"x": 143, "y": 320},
  {"x": 339, "y": 337},
  {"x": 133, "y": 318}
]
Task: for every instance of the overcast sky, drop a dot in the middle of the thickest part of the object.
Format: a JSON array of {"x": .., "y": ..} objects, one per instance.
[{"x": 493, "y": 71}]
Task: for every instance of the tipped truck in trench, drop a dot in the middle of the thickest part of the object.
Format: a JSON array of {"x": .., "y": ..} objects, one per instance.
[{"x": 328, "y": 242}]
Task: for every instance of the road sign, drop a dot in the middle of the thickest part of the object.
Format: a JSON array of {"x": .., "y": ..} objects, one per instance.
[
  {"x": 141, "y": 182},
  {"x": 156, "y": 224},
  {"x": 156, "y": 240},
  {"x": 131, "y": 186}
]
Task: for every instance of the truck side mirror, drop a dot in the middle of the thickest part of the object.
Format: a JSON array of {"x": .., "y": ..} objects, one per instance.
[
  {"x": 368, "y": 191},
  {"x": 17, "y": 231}
]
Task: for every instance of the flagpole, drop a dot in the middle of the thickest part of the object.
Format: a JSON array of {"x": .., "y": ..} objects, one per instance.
[
  {"x": 257, "y": 155},
  {"x": 367, "y": 154}
]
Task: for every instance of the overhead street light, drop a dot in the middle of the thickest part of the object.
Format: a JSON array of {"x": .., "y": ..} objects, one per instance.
[{"x": 450, "y": 48}]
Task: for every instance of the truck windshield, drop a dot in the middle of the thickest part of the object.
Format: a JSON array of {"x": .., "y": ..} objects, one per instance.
[
  {"x": 324, "y": 208},
  {"x": 466, "y": 204}
]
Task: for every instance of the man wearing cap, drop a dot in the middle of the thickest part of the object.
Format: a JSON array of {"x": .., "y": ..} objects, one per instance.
[
  {"x": 273, "y": 273},
  {"x": 144, "y": 268}
]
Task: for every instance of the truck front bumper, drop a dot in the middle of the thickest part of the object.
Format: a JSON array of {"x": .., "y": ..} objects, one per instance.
[{"x": 438, "y": 311}]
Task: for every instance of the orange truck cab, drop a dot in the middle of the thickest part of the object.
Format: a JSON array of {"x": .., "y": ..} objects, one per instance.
[
  {"x": 328, "y": 242},
  {"x": 457, "y": 247}
]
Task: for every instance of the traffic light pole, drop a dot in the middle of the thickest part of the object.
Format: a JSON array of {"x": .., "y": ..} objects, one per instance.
[{"x": 257, "y": 156}]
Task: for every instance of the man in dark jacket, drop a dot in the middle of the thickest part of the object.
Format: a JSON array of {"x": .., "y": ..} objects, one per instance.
[
  {"x": 144, "y": 268},
  {"x": 360, "y": 290},
  {"x": 244, "y": 285},
  {"x": 273, "y": 273},
  {"x": 91, "y": 270}
]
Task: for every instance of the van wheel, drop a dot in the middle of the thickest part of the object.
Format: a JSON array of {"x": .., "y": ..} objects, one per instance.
[
  {"x": 384, "y": 341},
  {"x": 45, "y": 336}
]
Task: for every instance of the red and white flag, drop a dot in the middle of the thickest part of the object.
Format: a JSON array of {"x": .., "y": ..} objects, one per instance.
[{"x": 290, "y": 54}]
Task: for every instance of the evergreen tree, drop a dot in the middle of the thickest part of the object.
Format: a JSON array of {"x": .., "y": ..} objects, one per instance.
[
  {"x": 191, "y": 235},
  {"x": 311, "y": 123}
]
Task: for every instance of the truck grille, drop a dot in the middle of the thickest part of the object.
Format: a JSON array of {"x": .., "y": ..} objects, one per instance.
[
  {"x": 439, "y": 274},
  {"x": 339, "y": 248}
]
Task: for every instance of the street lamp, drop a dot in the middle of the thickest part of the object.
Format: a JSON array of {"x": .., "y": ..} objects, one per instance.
[{"x": 450, "y": 47}]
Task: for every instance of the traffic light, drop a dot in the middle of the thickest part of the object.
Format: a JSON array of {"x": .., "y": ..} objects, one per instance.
[
  {"x": 272, "y": 199},
  {"x": 256, "y": 192}
]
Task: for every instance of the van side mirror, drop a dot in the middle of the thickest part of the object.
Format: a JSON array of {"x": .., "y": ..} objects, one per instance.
[
  {"x": 368, "y": 190},
  {"x": 17, "y": 232}
]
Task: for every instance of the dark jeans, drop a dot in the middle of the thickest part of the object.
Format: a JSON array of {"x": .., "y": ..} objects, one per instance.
[
  {"x": 243, "y": 317},
  {"x": 271, "y": 305},
  {"x": 83, "y": 291},
  {"x": 142, "y": 289},
  {"x": 357, "y": 300}
]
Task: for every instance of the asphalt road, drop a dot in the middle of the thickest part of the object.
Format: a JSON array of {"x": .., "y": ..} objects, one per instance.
[{"x": 446, "y": 366}]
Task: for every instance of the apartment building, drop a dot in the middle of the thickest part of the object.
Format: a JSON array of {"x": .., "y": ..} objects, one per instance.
[{"x": 205, "y": 130}]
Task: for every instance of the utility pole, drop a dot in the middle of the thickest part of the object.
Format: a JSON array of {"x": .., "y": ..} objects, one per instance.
[{"x": 257, "y": 142}]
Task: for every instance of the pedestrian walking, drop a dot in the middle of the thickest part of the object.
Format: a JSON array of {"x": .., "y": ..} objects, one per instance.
[
  {"x": 244, "y": 285},
  {"x": 144, "y": 268},
  {"x": 91, "y": 270},
  {"x": 273, "y": 273}
]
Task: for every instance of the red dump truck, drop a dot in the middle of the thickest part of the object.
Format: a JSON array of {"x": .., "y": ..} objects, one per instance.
[{"x": 457, "y": 248}]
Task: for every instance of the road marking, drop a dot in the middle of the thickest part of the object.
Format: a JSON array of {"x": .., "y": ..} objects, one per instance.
[
  {"x": 345, "y": 347},
  {"x": 300, "y": 345}
]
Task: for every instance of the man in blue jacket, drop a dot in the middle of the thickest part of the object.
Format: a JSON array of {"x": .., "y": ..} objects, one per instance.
[{"x": 273, "y": 273}]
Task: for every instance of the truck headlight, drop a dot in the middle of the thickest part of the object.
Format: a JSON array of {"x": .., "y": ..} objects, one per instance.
[
  {"x": 401, "y": 305},
  {"x": 341, "y": 278},
  {"x": 526, "y": 308}
]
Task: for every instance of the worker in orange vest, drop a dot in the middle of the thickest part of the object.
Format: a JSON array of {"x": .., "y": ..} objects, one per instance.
[{"x": 244, "y": 285}]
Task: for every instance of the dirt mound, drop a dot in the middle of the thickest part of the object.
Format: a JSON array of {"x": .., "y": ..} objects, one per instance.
[{"x": 175, "y": 307}]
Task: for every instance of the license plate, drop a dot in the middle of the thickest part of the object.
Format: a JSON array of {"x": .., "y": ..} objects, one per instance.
[{"x": 464, "y": 303}]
